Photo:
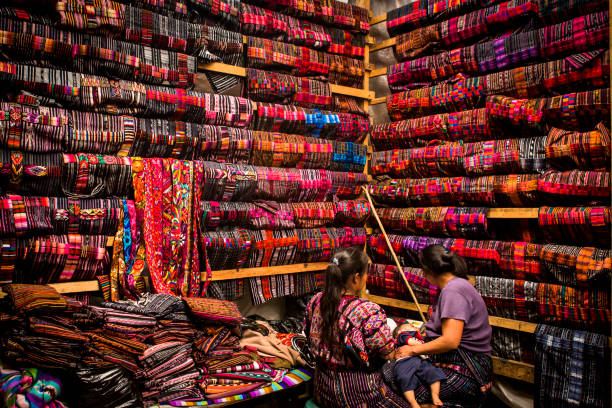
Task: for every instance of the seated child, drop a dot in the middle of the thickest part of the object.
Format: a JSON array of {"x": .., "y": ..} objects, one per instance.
[{"x": 412, "y": 372}]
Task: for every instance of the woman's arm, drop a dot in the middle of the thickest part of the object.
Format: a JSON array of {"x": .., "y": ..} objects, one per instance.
[{"x": 452, "y": 330}]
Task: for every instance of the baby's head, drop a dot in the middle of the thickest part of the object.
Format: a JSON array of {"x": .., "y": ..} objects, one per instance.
[{"x": 402, "y": 328}]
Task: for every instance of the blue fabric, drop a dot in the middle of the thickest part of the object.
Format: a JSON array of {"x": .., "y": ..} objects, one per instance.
[{"x": 413, "y": 372}]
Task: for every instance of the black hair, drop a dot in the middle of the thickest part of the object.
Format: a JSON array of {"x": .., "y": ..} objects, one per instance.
[
  {"x": 345, "y": 264},
  {"x": 436, "y": 260}
]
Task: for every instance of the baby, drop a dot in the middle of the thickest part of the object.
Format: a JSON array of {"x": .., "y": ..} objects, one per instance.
[{"x": 412, "y": 372}]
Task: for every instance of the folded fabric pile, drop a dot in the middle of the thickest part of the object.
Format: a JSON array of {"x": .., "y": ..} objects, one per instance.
[{"x": 176, "y": 350}]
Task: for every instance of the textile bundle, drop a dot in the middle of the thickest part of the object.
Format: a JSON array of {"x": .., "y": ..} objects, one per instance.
[
  {"x": 569, "y": 265},
  {"x": 552, "y": 187},
  {"x": 31, "y": 387},
  {"x": 177, "y": 351},
  {"x": 505, "y": 156},
  {"x": 448, "y": 221},
  {"x": 590, "y": 68},
  {"x": 465, "y": 27},
  {"x": 578, "y": 34},
  {"x": 496, "y": 120}
]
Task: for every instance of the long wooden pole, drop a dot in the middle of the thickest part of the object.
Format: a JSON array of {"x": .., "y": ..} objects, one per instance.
[{"x": 400, "y": 270}]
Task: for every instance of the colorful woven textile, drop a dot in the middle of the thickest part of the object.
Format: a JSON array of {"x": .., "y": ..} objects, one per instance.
[
  {"x": 213, "y": 310},
  {"x": 422, "y": 12},
  {"x": 291, "y": 379},
  {"x": 384, "y": 280},
  {"x": 587, "y": 225},
  {"x": 26, "y": 298},
  {"x": 90, "y": 175},
  {"x": 573, "y": 366},
  {"x": 576, "y": 35},
  {"x": 566, "y": 149},
  {"x": 447, "y": 221},
  {"x": 586, "y": 68},
  {"x": 31, "y": 387},
  {"x": 273, "y": 87},
  {"x": 90, "y": 92},
  {"x": 170, "y": 197},
  {"x": 577, "y": 266},
  {"x": 574, "y": 186}
]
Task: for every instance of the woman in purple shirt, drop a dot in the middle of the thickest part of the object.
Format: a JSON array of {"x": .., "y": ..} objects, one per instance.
[{"x": 458, "y": 332}]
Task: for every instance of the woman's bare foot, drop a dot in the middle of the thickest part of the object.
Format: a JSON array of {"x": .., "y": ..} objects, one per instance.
[{"x": 437, "y": 402}]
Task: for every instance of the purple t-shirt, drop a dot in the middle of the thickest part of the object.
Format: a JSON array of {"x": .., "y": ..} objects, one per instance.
[{"x": 460, "y": 300}]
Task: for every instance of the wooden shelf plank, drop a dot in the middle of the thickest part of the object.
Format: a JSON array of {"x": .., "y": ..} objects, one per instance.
[
  {"x": 390, "y": 42},
  {"x": 378, "y": 72},
  {"x": 513, "y": 213},
  {"x": 513, "y": 369},
  {"x": 382, "y": 99},
  {"x": 223, "y": 68},
  {"x": 268, "y": 271},
  {"x": 378, "y": 19},
  {"x": 525, "y": 327},
  {"x": 346, "y": 90}
]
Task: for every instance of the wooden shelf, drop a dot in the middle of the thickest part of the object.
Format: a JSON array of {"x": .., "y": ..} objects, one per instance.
[
  {"x": 378, "y": 72},
  {"x": 382, "y": 99},
  {"x": 513, "y": 369},
  {"x": 267, "y": 271},
  {"x": 508, "y": 213},
  {"x": 378, "y": 19},
  {"x": 241, "y": 72},
  {"x": 390, "y": 42}
]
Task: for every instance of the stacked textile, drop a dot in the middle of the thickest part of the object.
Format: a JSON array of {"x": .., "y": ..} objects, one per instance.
[
  {"x": 31, "y": 387},
  {"x": 578, "y": 34},
  {"x": 177, "y": 350}
]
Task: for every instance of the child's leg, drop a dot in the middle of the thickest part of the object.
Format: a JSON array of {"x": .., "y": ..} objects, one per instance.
[
  {"x": 435, "y": 393},
  {"x": 409, "y": 395}
]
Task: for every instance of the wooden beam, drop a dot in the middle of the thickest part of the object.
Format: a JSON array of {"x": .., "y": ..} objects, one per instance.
[
  {"x": 502, "y": 322},
  {"x": 385, "y": 44},
  {"x": 223, "y": 68},
  {"x": 268, "y": 271},
  {"x": 378, "y": 19},
  {"x": 513, "y": 369},
  {"x": 378, "y": 72},
  {"x": 513, "y": 213},
  {"x": 345, "y": 90},
  {"x": 375, "y": 101}
]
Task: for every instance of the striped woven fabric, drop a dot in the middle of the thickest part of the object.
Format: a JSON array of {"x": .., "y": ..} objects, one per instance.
[
  {"x": 89, "y": 175},
  {"x": 266, "y": 86},
  {"x": 31, "y": 174},
  {"x": 20, "y": 216},
  {"x": 563, "y": 357},
  {"x": 220, "y": 45},
  {"x": 432, "y": 161},
  {"x": 589, "y": 68},
  {"x": 574, "y": 186},
  {"x": 511, "y": 259},
  {"x": 567, "y": 149},
  {"x": 213, "y": 310},
  {"x": 27, "y": 298},
  {"x": 289, "y": 58},
  {"x": 384, "y": 280},
  {"x": 468, "y": 125},
  {"x": 446, "y": 221},
  {"x": 576, "y": 110},
  {"x": 587, "y": 225},
  {"x": 124, "y": 97},
  {"x": 90, "y": 53},
  {"x": 575, "y": 35},
  {"x": 576, "y": 266},
  {"x": 424, "y": 12},
  {"x": 462, "y": 28},
  {"x": 261, "y": 22},
  {"x": 346, "y": 43}
]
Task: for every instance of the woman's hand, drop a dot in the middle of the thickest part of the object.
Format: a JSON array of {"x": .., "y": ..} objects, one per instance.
[{"x": 405, "y": 351}]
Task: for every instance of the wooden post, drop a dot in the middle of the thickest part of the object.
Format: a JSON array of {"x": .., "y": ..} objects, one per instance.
[{"x": 397, "y": 263}]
